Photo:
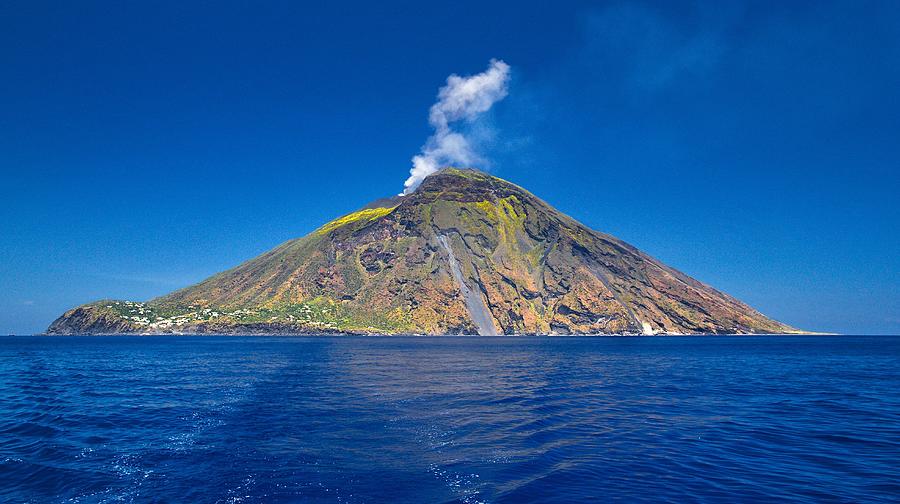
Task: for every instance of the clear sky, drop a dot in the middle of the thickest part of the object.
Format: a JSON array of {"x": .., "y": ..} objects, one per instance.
[{"x": 752, "y": 145}]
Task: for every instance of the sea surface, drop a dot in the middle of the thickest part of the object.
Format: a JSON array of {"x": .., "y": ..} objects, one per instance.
[{"x": 449, "y": 419}]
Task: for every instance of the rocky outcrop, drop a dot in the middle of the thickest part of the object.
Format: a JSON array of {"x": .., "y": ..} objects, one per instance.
[
  {"x": 466, "y": 253},
  {"x": 91, "y": 319}
]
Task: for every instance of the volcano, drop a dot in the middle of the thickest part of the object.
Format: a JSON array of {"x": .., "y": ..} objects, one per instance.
[{"x": 465, "y": 253}]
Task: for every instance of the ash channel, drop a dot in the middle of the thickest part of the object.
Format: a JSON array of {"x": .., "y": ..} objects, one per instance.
[{"x": 478, "y": 310}]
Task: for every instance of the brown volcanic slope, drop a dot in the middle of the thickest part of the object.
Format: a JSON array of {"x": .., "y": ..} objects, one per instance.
[{"x": 465, "y": 253}]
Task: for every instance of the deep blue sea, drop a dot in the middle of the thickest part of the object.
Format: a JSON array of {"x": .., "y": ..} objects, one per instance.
[{"x": 449, "y": 419}]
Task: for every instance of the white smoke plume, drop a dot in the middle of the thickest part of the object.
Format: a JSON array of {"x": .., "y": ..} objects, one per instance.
[{"x": 463, "y": 98}]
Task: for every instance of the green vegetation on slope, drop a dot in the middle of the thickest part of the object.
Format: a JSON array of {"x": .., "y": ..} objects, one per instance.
[{"x": 364, "y": 215}]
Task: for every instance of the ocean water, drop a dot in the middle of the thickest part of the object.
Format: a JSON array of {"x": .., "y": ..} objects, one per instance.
[{"x": 450, "y": 419}]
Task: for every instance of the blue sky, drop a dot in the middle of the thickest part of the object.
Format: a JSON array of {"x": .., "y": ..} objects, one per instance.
[{"x": 753, "y": 145}]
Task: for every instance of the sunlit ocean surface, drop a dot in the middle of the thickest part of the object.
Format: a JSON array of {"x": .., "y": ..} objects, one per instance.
[{"x": 449, "y": 419}]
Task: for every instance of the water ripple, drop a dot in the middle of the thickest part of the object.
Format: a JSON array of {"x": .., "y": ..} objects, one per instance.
[{"x": 455, "y": 420}]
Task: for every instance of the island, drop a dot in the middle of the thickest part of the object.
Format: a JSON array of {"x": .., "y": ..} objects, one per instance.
[{"x": 465, "y": 253}]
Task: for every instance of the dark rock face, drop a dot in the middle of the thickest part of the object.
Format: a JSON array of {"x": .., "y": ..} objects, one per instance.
[
  {"x": 89, "y": 319},
  {"x": 464, "y": 247}
]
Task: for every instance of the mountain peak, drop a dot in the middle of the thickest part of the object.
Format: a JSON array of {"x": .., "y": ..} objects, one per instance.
[
  {"x": 463, "y": 185},
  {"x": 471, "y": 176}
]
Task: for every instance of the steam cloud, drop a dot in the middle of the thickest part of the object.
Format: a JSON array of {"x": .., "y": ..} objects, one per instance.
[{"x": 463, "y": 98}]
